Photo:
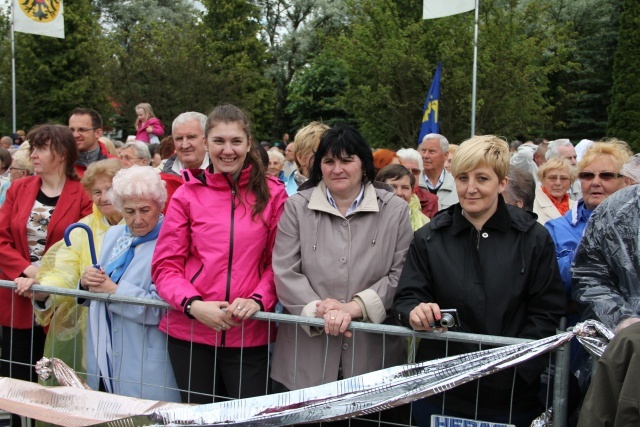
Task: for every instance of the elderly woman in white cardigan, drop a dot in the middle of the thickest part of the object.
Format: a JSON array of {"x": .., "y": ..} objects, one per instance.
[
  {"x": 126, "y": 353},
  {"x": 552, "y": 197}
]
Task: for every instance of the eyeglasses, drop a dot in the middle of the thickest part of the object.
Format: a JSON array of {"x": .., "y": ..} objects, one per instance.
[
  {"x": 554, "y": 178},
  {"x": 16, "y": 169},
  {"x": 81, "y": 130},
  {"x": 605, "y": 176},
  {"x": 128, "y": 159}
]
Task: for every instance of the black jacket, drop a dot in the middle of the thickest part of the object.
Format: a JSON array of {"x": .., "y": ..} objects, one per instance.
[{"x": 503, "y": 280}]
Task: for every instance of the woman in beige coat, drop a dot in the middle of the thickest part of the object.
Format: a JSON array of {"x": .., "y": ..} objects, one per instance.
[
  {"x": 552, "y": 198},
  {"x": 339, "y": 252}
]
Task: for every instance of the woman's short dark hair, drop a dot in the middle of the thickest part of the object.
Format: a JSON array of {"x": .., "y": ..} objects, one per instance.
[
  {"x": 339, "y": 141},
  {"x": 61, "y": 142},
  {"x": 395, "y": 172}
]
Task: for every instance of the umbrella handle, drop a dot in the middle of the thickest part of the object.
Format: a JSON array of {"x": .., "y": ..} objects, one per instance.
[{"x": 92, "y": 248}]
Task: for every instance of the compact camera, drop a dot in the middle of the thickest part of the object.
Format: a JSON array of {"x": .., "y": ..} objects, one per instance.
[{"x": 448, "y": 318}]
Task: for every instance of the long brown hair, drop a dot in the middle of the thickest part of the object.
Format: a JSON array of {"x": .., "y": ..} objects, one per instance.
[{"x": 257, "y": 180}]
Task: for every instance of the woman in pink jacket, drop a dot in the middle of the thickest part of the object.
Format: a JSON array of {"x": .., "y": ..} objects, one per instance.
[
  {"x": 213, "y": 265},
  {"x": 149, "y": 127}
]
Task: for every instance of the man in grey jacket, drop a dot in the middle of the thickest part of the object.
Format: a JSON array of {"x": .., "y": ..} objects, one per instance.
[{"x": 436, "y": 179}]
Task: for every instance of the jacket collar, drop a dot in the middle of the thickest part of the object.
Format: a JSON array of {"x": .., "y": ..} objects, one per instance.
[
  {"x": 318, "y": 200},
  {"x": 220, "y": 181},
  {"x": 505, "y": 217}
]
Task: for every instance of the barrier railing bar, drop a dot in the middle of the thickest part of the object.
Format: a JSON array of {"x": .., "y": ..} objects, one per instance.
[{"x": 288, "y": 318}]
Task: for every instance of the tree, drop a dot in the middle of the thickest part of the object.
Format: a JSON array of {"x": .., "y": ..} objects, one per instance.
[
  {"x": 390, "y": 55},
  {"x": 230, "y": 34},
  {"x": 624, "y": 111},
  {"x": 294, "y": 31},
  {"x": 54, "y": 76},
  {"x": 582, "y": 92},
  {"x": 313, "y": 93}
]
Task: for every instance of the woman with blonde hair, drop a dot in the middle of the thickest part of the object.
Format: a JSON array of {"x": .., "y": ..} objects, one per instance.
[
  {"x": 307, "y": 140},
  {"x": 599, "y": 172},
  {"x": 493, "y": 263},
  {"x": 149, "y": 127},
  {"x": 552, "y": 198}
]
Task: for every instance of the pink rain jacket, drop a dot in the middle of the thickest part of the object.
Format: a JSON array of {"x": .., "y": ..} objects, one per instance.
[{"x": 210, "y": 246}]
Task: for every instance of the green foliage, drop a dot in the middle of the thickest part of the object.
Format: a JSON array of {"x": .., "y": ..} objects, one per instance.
[
  {"x": 230, "y": 41},
  {"x": 54, "y": 76},
  {"x": 582, "y": 92},
  {"x": 390, "y": 55},
  {"x": 624, "y": 111},
  {"x": 294, "y": 31},
  {"x": 313, "y": 93}
]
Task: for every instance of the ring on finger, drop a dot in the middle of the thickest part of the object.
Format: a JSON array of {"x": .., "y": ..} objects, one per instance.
[{"x": 333, "y": 318}]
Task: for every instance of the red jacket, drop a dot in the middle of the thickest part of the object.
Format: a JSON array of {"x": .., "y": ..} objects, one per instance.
[
  {"x": 104, "y": 154},
  {"x": 428, "y": 202},
  {"x": 74, "y": 203}
]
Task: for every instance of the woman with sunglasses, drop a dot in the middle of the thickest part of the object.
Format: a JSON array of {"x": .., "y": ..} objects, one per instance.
[{"x": 599, "y": 174}]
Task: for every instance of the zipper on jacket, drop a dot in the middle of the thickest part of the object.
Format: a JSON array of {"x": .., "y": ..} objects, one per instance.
[
  {"x": 195, "y": 276},
  {"x": 230, "y": 261}
]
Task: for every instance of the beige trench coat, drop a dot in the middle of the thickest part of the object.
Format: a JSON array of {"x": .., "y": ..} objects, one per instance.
[{"x": 320, "y": 254}]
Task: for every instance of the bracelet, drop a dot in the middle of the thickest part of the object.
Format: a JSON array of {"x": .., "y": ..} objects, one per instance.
[{"x": 187, "y": 306}]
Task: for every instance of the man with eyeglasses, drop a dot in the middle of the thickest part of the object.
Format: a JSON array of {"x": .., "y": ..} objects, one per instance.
[{"x": 86, "y": 126}]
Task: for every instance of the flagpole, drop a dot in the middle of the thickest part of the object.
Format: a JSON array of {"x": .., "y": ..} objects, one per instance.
[
  {"x": 475, "y": 72},
  {"x": 13, "y": 70}
]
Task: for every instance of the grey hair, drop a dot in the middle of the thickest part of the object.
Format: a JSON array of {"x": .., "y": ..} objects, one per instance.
[
  {"x": 444, "y": 142},
  {"x": 520, "y": 187},
  {"x": 276, "y": 153},
  {"x": 631, "y": 168},
  {"x": 141, "y": 150},
  {"x": 410, "y": 154},
  {"x": 187, "y": 117},
  {"x": 552, "y": 150},
  {"x": 137, "y": 181}
]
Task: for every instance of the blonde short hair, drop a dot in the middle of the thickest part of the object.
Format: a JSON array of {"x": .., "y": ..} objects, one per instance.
[
  {"x": 22, "y": 161},
  {"x": 107, "y": 167},
  {"x": 557, "y": 163},
  {"x": 487, "y": 150},
  {"x": 613, "y": 147},
  {"x": 308, "y": 138}
]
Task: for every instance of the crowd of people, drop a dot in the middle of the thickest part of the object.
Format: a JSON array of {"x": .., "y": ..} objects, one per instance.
[{"x": 513, "y": 236}]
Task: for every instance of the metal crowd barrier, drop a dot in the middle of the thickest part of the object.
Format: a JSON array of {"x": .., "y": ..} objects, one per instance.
[{"x": 560, "y": 372}]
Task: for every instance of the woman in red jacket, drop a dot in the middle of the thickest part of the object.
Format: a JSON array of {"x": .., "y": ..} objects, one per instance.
[{"x": 34, "y": 216}]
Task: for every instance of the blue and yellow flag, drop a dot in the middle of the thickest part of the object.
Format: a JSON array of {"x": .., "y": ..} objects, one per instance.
[{"x": 430, "y": 123}]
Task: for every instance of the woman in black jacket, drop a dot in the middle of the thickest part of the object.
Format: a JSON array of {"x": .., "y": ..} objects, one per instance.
[{"x": 496, "y": 265}]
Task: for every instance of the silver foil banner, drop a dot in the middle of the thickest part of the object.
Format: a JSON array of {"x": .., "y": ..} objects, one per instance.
[{"x": 348, "y": 398}]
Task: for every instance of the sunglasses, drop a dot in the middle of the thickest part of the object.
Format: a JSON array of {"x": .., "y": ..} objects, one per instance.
[{"x": 605, "y": 176}]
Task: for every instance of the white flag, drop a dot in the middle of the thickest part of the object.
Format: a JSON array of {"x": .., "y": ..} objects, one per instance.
[
  {"x": 42, "y": 17},
  {"x": 441, "y": 8}
]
